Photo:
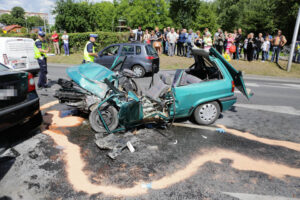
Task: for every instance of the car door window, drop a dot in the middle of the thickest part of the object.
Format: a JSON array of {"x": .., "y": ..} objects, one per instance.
[
  {"x": 111, "y": 51},
  {"x": 127, "y": 50},
  {"x": 138, "y": 50}
]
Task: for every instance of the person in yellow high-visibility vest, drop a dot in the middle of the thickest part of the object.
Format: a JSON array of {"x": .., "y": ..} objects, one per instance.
[
  {"x": 40, "y": 54},
  {"x": 89, "y": 52}
]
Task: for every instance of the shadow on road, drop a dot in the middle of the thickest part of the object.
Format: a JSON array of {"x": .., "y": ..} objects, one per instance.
[{"x": 8, "y": 140}]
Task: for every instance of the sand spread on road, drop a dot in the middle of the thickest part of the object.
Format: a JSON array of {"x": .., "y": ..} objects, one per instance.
[{"x": 80, "y": 181}]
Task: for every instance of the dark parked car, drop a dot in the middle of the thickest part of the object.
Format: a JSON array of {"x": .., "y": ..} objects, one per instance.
[
  {"x": 19, "y": 102},
  {"x": 141, "y": 58}
]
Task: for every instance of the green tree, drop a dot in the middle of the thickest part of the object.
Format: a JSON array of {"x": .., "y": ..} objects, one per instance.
[
  {"x": 285, "y": 14},
  {"x": 104, "y": 15},
  {"x": 16, "y": 17},
  {"x": 148, "y": 14},
  {"x": 74, "y": 16},
  {"x": 6, "y": 19},
  {"x": 184, "y": 12},
  {"x": 18, "y": 12},
  {"x": 230, "y": 13},
  {"x": 34, "y": 21},
  {"x": 258, "y": 16},
  {"x": 206, "y": 17}
]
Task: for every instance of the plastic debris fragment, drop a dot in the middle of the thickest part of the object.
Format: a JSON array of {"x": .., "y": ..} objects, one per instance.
[
  {"x": 130, "y": 147},
  {"x": 204, "y": 137},
  {"x": 220, "y": 130},
  {"x": 147, "y": 185}
]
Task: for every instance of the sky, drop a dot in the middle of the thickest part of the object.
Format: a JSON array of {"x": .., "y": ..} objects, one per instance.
[{"x": 44, "y": 6}]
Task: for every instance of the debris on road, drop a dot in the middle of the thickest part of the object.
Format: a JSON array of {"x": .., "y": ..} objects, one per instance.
[
  {"x": 220, "y": 130},
  {"x": 9, "y": 154},
  {"x": 130, "y": 147},
  {"x": 116, "y": 143},
  {"x": 69, "y": 112}
]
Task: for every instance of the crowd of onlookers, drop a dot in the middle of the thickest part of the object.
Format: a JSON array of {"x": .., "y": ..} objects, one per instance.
[{"x": 233, "y": 45}]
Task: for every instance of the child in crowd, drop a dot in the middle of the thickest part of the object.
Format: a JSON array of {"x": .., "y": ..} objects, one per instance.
[{"x": 265, "y": 48}]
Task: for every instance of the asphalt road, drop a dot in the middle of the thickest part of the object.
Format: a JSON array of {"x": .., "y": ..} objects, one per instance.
[{"x": 255, "y": 154}]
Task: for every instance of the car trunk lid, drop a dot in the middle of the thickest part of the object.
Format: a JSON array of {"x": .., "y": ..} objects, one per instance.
[{"x": 236, "y": 75}]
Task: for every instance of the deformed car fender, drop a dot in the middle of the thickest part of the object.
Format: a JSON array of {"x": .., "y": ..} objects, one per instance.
[{"x": 90, "y": 76}]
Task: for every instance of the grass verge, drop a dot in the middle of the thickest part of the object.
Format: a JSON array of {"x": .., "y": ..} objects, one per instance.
[{"x": 168, "y": 63}]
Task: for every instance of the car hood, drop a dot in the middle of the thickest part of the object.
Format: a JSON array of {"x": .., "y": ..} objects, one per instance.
[
  {"x": 90, "y": 76},
  {"x": 237, "y": 76}
]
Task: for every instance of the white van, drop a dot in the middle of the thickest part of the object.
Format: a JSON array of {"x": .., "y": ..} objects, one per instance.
[{"x": 18, "y": 54}]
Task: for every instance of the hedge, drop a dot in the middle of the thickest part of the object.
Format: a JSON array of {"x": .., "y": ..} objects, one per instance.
[{"x": 77, "y": 41}]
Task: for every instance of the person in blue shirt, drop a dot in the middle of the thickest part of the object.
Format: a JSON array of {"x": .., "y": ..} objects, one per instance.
[
  {"x": 191, "y": 37},
  {"x": 40, "y": 54},
  {"x": 181, "y": 41}
]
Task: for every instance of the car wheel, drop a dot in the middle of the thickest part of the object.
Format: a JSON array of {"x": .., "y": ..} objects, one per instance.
[
  {"x": 110, "y": 116},
  {"x": 207, "y": 113},
  {"x": 136, "y": 88},
  {"x": 139, "y": 70}
]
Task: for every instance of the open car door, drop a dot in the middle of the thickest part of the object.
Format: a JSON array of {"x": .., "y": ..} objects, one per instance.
[{"x": 236, "y": 75}]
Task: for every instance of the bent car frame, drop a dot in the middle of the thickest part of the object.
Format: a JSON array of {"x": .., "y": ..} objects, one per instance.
[{"x": 199, "y": 93}]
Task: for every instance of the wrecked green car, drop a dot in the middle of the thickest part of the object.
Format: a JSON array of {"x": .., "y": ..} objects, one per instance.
[{"x": 200, "y": 93}]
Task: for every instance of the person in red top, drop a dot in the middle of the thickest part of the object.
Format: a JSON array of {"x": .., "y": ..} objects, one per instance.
[{"x": 55, "y": 39}]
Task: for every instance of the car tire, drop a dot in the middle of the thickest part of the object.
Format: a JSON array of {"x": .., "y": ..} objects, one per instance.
[
  {"x": 136, "y": 88},
  {"x": 139, "y": 70},
  {"x": 207, "y": 113},
  {"x": 110, "y": 115}
]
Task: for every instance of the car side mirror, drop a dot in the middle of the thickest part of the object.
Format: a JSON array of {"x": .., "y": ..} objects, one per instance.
[{"x": 100, "y": 54}]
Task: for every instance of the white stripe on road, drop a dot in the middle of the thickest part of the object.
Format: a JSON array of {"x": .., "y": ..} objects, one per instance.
[
  {"x": 245, "y": 196},
  {"x": 293, "y": 85},
  {"x": 252, "y": 85},
  {"x": 274, "y": 85},
  {"x": 277, "y": 109}
]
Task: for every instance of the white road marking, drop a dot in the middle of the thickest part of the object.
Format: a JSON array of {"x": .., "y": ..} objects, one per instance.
[
  {"x": 293, "y": 85},
  {"x": 245, "y": 196},
  {"x": 252, "y": 85},
  {"x": 277, "y": 109},
  {"x": 274, "y": 85}
]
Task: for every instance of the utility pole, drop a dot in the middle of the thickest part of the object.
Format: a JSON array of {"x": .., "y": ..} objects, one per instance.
[
  {"x": 45, "y": 25},
  {"x": 294, "y": 42}
]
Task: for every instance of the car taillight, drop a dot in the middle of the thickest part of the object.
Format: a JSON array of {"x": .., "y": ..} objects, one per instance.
[
  {"x": 232, "y": 86},
  {"x": 150, "y": 57},
  {"x": 5, "y": 59},
  {"x": 31, "y": 84}
]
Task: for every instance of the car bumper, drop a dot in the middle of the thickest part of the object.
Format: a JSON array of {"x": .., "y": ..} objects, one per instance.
[
  {"x": 20, "y": 113},
  {"x": 148, "y": 67},
  {"x": 227, "y": 102}
]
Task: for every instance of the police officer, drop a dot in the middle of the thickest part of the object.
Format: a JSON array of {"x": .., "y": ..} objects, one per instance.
[
  {"x": 40, "y": 54},
  {"x": 89, "y": 49}
]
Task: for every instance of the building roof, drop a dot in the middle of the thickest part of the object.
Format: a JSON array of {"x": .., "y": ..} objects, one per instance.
[{"x": 10, "y": 27}]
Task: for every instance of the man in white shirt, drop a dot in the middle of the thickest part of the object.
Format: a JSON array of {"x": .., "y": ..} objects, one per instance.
[
  {"x": 65, "y": 39},
  {"x": 172, "y": 38}
]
